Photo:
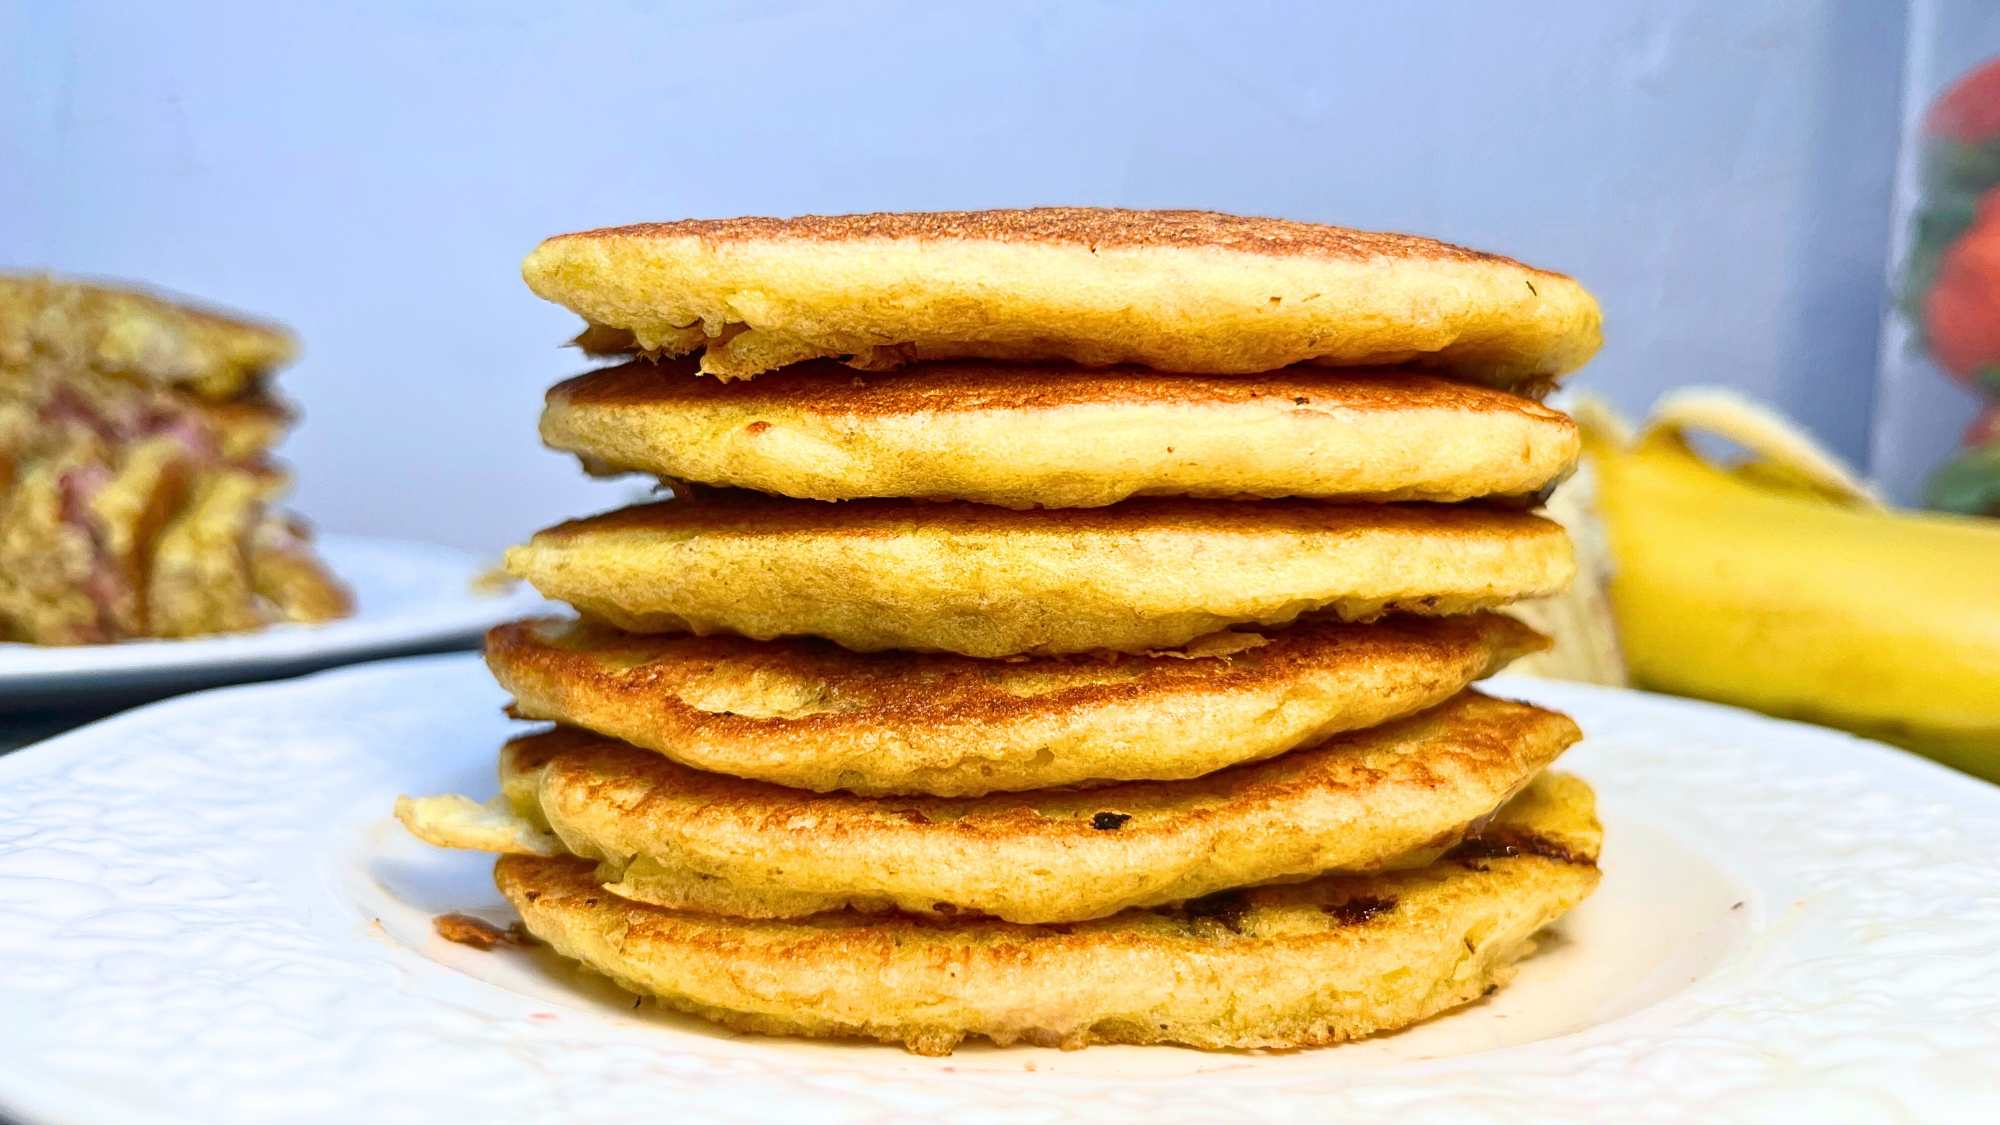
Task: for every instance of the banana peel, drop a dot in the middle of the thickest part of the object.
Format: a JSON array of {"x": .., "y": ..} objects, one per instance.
[
  {"x": 1783, "y": 584},
  {"x": 1578, "y": 621}
]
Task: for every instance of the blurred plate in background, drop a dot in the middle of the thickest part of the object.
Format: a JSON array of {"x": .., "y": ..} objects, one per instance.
[{"x": 409, "y": 597}]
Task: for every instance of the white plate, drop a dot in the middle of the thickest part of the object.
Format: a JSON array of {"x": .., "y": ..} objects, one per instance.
[
  {"x": 407, "y": 596},
  {"x": 206, "y": 914}
]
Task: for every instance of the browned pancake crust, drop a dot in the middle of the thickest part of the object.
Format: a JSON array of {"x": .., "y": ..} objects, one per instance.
[
  {"x": 1304, "y": 964},
  {"x": 1073, "y": 226},
  {"x": 731, "y": 512},
  {"x": 808, "y": 714},
  {"x": 1393, "y": 795},
  {"x": 1058, "y": 436},
  {"x": 944, "y": 386}
]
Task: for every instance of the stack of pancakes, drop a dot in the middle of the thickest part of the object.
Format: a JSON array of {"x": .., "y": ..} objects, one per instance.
[
  {"x": 1060, "y": 631},
  {"x": 137, "y": 488}
]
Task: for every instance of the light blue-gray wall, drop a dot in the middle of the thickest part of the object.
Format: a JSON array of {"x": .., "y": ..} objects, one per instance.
[{"x": 1718, "y": 173}]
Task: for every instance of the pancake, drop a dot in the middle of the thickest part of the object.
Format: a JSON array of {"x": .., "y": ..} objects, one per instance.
[
  {"x": 1062, "y": 437},
  {"x": 247, "y": 426},
  {"x": 1170, "y": 290},
  {"x": 988, "y": 582},
  {"x": 50, "y": 589},
  {"x": 1308, "y": 964},
  {"x": 1394, "y": 795},
  {"x": 807, "y": 714},
  {"x": 226, "y": 562},
  {"x": 152, "y": 536},
  {"x": 129, "y": 332}
]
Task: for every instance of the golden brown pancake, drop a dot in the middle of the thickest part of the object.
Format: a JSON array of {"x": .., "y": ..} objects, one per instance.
[
  {"x": 136, "y": 495},
  {"x": 988, "y": 582},
  {"x": 1395, "y": 795},
  {"x": 811, "y": 715},
  {"x": 1059, "y": 436},
  {"x": 1170, "y": 290},
  {"x": 246, "y": 426},
  {"x": 51, "y": 591},
  {"x": 130, "y": 332},
  {"x": 1307, "y": 964}
]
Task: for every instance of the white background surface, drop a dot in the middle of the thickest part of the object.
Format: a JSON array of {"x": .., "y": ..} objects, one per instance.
[
  {"x": 1719, "y": 174},
  {"x": 211, "y": 916}
]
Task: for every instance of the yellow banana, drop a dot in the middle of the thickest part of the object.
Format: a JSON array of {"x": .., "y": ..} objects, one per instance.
[{"x": 1784, "y": 587}]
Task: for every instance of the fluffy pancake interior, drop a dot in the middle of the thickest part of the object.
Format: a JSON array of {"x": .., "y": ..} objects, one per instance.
[
  {"x": 1169, "y": 290},
  {"x": 987, "y": 582},
  {"x": 1027, "y": 435}
]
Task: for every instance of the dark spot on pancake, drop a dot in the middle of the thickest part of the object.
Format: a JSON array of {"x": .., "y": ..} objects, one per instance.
[
  {"x": 590, "y": 902},
  {"x": 1227, "y": 908},
  {"x": 1504, "y": 843},
  {"x": 757, "y": 427},
  {"x": 944, "y": 908},
  {"x": 1300, "y": 400},
  {"x": 1359, "y": 909},
  {"x": 1109, "y": 821},
  {"x": 914, "y": 816},
  {"x": 531, "y": 896},
  {"x": 1531, "y": 288}
]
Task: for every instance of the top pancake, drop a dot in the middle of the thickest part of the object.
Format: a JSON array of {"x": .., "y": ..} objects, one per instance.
[
  {"x": 1060, "y": 436},
  {"x": 1191, "y": 291},
  {"x": 136, "y": 334}
]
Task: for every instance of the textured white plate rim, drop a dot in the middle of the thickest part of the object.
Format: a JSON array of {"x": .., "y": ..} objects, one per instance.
[
  {"x": 1801, "y": 1011},
  {"x": 407, "y": 593}
]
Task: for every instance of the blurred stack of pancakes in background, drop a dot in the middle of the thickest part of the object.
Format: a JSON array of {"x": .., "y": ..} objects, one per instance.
[
  {"x": 137, "y": 489},
  {"x": 1061, "y": 629}
]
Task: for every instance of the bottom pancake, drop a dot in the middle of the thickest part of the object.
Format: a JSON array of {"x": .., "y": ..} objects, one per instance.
[{"x": 1305, "y": 964}]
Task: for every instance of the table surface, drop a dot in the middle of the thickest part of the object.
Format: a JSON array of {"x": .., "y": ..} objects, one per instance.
[{"x": 19, "y": 729}]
